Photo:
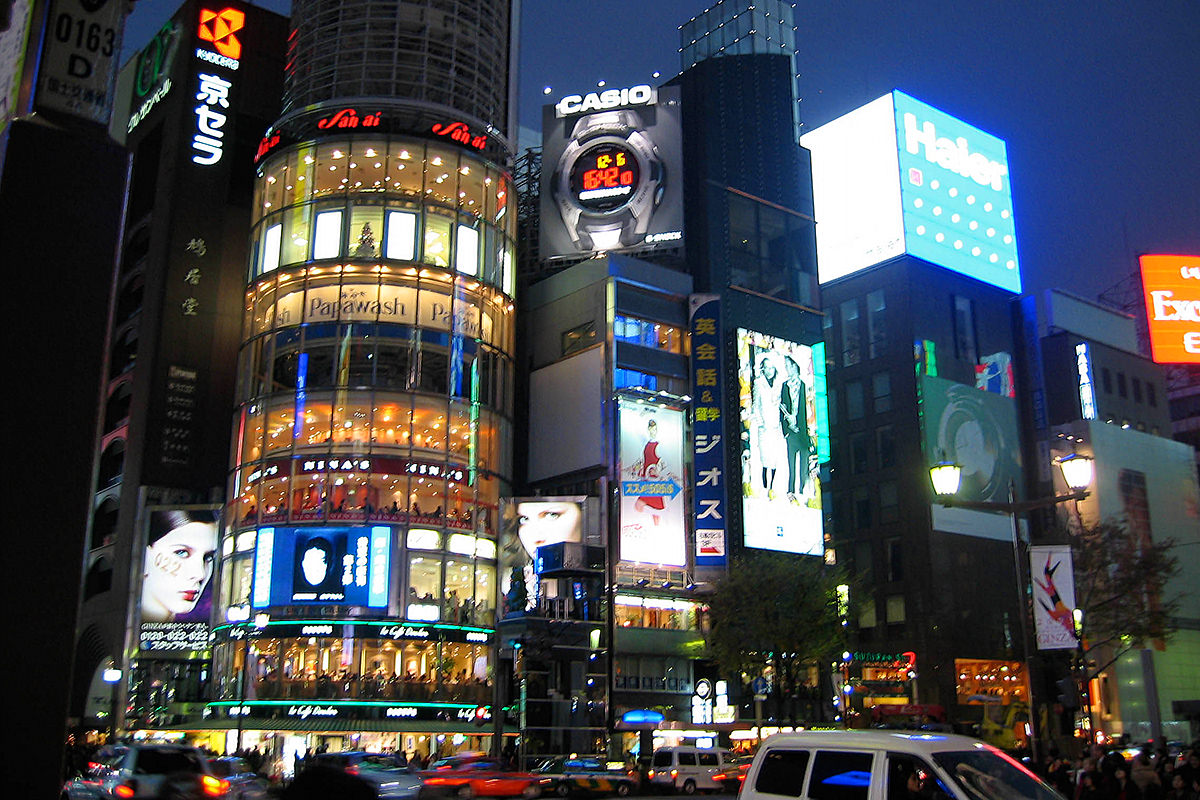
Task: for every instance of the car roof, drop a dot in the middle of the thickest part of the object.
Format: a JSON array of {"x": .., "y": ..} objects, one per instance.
[{"x": 905, "y": 741}]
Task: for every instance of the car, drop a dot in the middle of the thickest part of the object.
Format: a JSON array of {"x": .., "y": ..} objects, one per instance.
[
  {"x": 390, "y": 776},
  {"x": 687, "y": 769},
  {"x": 880, "y": 765},
  {"x": 567, "y": 776},
  {"x": 476, "y": 776},
  {"x": 731, "y": 777},
  {"x": 143, "y": 771},
  {"x": 244, "y": 783}
]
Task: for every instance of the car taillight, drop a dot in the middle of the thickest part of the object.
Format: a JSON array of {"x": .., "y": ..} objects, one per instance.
[
  {"x": 352, "y": 770},
  {"x": 674, "y": 773},
  {"x": 125, "y": 789},
  {"x": 650, "y": 773},
  {"x": 213, "y": 787}
]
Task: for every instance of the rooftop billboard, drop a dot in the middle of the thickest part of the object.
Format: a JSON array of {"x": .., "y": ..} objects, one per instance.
[
  {"x": 1172, "y": 291},
  {"x": 898, "y": 176}
]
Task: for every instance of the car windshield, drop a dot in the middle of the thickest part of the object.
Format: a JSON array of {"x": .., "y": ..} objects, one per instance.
[
  {"x": 163, "y": 762},
  {"x": 379, "y": 762},
  {"x": 989, "y": 775}
]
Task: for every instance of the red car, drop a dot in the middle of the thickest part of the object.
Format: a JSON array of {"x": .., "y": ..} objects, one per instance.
[
  {"x": 470, "y": 777},
  {"x": 730, "y": 779}
]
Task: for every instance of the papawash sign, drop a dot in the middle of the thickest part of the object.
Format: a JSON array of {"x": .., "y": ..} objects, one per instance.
[
  {"x": 708, "y": 450},
  {"x": 1172, "y": 290},
  {"x": 1053, "y": 581}
]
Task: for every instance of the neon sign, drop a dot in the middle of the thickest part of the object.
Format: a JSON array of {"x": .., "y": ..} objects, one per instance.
[
  {"x": 348, "y": 118},
  {"x": 1087, "y": 394},
  {"x": 461, "y": 133},
  {"x": 208, "y": 141},
  {"x": 1172, "y": 292},
  {"x": 641, "y": 95},
  {"x": 219, "y": 28},
  {"x": 266, "y": 145}
]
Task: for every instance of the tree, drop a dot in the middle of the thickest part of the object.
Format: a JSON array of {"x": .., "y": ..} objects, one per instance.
[
  {"x": 777, "y": 614},
  {"x": 1120, "y": 584}
]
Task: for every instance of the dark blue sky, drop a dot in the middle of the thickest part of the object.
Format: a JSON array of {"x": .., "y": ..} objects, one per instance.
[{"x": 1099, "y": 103}]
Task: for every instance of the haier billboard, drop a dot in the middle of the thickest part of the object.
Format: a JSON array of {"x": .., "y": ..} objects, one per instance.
[{"x": 897, "y": 176}]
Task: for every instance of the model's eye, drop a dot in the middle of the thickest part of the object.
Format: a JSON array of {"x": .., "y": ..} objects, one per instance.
[{"x": 181, "y": 552}]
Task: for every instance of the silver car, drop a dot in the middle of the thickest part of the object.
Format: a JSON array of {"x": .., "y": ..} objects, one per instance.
[
  {"x": 144, "y": 771},
  {"x": 386, "y": 773},
  {"x": 244, "y": 783}
]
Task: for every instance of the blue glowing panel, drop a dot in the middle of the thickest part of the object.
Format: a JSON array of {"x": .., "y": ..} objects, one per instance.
[
  {"x": 322, "y": 566},
  {"x": 955, "y": 194}
]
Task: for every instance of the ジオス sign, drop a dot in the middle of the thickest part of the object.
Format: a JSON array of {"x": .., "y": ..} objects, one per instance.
[{"x": 1172, "y": 291}]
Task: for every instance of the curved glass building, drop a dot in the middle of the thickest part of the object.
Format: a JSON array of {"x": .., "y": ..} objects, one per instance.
[{"x": 357, "y": 581}]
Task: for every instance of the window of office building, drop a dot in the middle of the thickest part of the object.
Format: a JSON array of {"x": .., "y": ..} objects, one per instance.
[
  {"x": 876, "y": 331},
  {"x": 1122, "y": 388},
  {"x": 893, "y": 550},
  {"x": 1137, "y": 390},
  {"x": 1151, "y": 395},
  {"x": 851, "y": 338},
  {"x": 858, "y": 453},
  {"x": 862, "y": 508},
  {"x": 579, "y": 338},
  {"x": 854, "y": 400},
  {"x": 964, "y": 330},
  {"x": 895, "y": 609},
  {"x": 881, "y": 388},
  {"x": 1106, "y": 380},
  {"x": 885, "y": 443},
  {"x": 646, "y": 333},
  {"x": 889, "y": 502}
]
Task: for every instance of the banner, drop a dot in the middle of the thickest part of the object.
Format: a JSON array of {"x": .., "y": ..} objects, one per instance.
[
  {"x": 1053, "y": 579},
  {"x": 176, "y": 590},
  {"x": 708, "y": 452},
  {"x": 650, "y": 464}
]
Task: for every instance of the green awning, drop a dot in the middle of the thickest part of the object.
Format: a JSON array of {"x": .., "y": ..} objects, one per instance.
[{"x": 334, "y": 725}]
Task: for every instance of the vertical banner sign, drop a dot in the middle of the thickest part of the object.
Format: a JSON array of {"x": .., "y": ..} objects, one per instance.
[
  {"x": 177, "y": 570},
  {"x": 79, "y": 62},
  {"x": 1053, "y": 597},
  {"x": 650, "y": 463},
  {"x": 708, "y": 461}
]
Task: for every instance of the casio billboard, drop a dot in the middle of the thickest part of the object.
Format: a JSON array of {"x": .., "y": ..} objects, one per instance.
[{"x": 898, "y": 176}]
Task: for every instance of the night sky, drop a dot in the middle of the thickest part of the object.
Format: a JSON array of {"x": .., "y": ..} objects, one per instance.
[{"x": 1099, "y": 103}]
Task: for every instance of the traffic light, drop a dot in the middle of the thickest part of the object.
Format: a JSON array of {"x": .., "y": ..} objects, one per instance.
[{"x": 1068, "y": 694}]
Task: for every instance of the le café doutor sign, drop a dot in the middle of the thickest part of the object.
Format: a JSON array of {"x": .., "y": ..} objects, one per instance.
[
  {"x": 1172, "y": 292},
  {"x": 352, "y": 119}
]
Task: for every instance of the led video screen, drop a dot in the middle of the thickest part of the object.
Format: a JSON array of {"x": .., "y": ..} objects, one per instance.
[{"x": 322, "y": 566}]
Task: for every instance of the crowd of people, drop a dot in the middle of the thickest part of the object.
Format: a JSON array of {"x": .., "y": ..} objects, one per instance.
[{"x": 1152, "y": 774}]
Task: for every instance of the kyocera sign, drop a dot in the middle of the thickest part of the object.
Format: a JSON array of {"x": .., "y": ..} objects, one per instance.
[
  {"x": 641, "y": 95},
  {"x": 899, "y": 176},
  {"x": 1172, "y": 290}
]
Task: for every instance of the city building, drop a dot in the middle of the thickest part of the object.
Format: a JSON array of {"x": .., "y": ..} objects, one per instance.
[
  {"x": 61, "y": 180},
  {"x": 918, "y": 270},
  {"x": 1091, "y": 392},
  {"x": 191, "y": 109},
  {"x": 357, "y": 570}
]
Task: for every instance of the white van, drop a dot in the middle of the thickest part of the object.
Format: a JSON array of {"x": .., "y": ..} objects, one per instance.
[
  {"x": 687, "y": 769},
  {"x": 886, "y": 765}
]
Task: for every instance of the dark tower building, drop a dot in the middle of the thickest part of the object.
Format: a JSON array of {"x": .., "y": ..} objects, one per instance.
[
  {"x": 357, "y": 589},
  {"x": 191, "y": 108}
]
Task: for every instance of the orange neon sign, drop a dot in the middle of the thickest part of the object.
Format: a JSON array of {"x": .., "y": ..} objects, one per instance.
[
  {"x": 1172, "y": 291},
  {"x": 219, "y": 28}
]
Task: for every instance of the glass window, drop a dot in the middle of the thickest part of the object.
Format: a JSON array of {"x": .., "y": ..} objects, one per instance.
[
  {"x": 441, "y": 171},
  {"x": 327, "y": 234},
  {"x": 862, "y": 508},
  {"x": 895, "y": 609},
  {"x": 272, "y": 238},
  {"x": 436, "y": 248},
  {"x": 459, "y": 591},
  {"x": 366, "y": 226},
  {"x": 367, "y": 168},
  {"x": 854, "y": 400},
  {"x": 964, "y": 330},
  {"x": 466, "y": 254},
  {"x": 404, "y": 170},
  {"x": 851, "y": 341},
  {"x": 400, "y": 241},
  {"x": 1151, "y": 395},
  {"x": 893, "y": 550},
  {"x": 1106, "y": 380},
  {"x": 1137, "y": 390},
  {"x": 782, "y": 772},
  {"x": 579, "y": 338},
  {"x": 424, "y": 588},
  {"x": 485, "y": 582},
  {"x": 889, "y": 502},
  {"x": 1122, "y": 389},
  {"x": 840, "y": 775},
  {"x": 331, "y": 169},
  {"x": 876, "y": 332},
  {"x": 314, "y": 422},
  {"x": 351, "y": 423},
  {"x": 885, "y": 442},
  {"x": 881, "y": 388},
  {"x": 295, "y": 235},
  {"x": 470, "y": 188}
]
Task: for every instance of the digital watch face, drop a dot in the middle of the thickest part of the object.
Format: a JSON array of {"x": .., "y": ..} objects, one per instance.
[{"x": 604, "y": 177}]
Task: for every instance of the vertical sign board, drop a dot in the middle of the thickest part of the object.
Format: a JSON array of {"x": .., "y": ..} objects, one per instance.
[
  {"x": 212, "y": 43},
  {"x": 177, "y": 570},
  {"x": 781, "y": 440},
  {"x": 650, "y": 462},
  {"x": 79, "y": 60},
  {"x": 708, "y": 451},
  {"x": 1172, "y": 292},
  {"x": 1053, "y": 597}
]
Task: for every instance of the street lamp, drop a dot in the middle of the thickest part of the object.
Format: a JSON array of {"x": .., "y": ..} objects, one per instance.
[
  {"x": 112, "y": 676},
  {"x": 1077, "y": 471}
]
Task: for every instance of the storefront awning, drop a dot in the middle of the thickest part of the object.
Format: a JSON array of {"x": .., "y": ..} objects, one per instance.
[{"x": 333, "y": 725}]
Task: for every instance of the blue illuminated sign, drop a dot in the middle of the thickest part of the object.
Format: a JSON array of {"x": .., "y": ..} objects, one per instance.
[
  {"x": 322, "y": 566},
  {"x": 955, "y": 194}
]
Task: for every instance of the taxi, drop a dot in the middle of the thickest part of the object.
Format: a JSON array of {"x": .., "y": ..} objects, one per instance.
[{"x": 567, "y": 776}]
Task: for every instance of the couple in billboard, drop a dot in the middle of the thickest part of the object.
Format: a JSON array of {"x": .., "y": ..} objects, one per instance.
[{"x": 780, "y": 419}]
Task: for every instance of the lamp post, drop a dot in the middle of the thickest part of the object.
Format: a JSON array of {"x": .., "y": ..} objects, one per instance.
[
  {"x": 112, "y": 676},
  {"x": 1077, "y": 471},
  {"x": 260, "y": 622}
]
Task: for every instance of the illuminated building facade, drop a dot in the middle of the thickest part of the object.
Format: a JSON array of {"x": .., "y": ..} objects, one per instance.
[{"x": 357, "y": 579}]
